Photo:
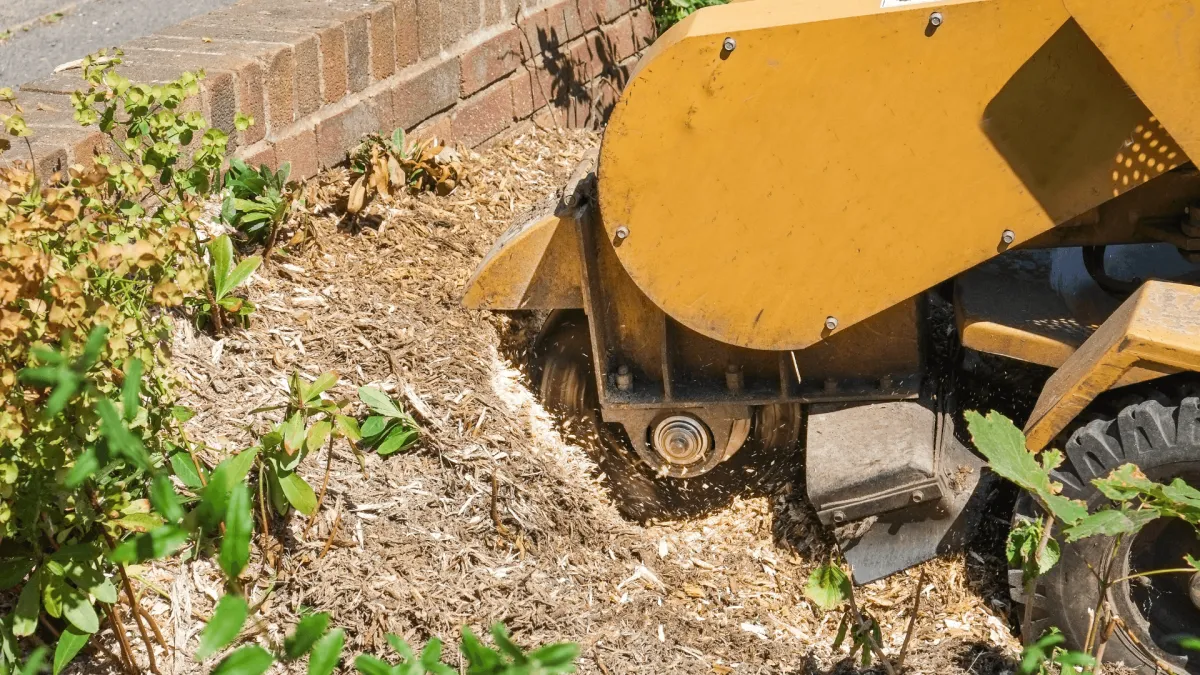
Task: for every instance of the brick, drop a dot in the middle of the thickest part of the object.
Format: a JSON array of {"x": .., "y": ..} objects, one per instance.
[
  {"x": 423, "y": 94},
  {"x": 259, "y": 154},
  {"x": 589, "y": 17},
  {"x": 279, "y": 84},
  {"x": 358, "y": 53},
  {"x": 383, "y": 41},
  {"x": 483, "y": 115},
  {"x": 644, "y": 30},
  {"x": 218, "y": 95},
  {"x": 619, "y": 38},
  {"x": 490, "y": 61},
  {"x": 611, "y": 9},
  {"x": 408, "y": 48},
  {"x": 334, "y": 73},
  {"x": 572, "y": 21},
  {"x": 472, "y": 16},
  {"x": 439, "y": 127},
  {"x": 339, "y": 132},
  {"x": 493, "y": 12},
  {"x": 307, "y": 84},
  {"x": 299, "y": 148},
  {"x": 429, "y": 27},
  {"x": 521, "y": 83},
  {"x": 545, "y": 32},
  {"x": 46, "y": 110}
]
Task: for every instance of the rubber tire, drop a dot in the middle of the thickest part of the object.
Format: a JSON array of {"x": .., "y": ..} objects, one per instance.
[
  {"x": 1164, "y": 442},
  {"x": 638, "y": 493}
]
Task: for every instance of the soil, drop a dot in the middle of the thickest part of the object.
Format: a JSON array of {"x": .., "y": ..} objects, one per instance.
[{"x": 412, "y": 546}]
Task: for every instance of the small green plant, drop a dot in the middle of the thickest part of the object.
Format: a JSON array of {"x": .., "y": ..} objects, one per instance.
[
  {"x": 387, "y": 166},
  {"x": 507, "y": 659},
  {"x": 1135, "y": 502},
  {"x": 390, "y": 429},
  {"x": 257, "y": 201},
  {"x": 226, "y": 308},
  {"x": 829, "y": 588}
]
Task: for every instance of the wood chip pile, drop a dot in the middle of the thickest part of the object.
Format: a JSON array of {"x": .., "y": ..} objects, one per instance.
[{"x": 413, "y": 547}]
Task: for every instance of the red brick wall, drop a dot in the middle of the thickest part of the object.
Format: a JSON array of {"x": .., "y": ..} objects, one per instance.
[{"x": 318, "y": 74}]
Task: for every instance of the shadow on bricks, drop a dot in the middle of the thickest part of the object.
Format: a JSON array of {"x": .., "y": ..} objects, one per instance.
[{"x": 570, "y": 78}]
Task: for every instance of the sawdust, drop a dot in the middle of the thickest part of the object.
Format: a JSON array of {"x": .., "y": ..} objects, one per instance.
[{"x": 412, "y": 548}]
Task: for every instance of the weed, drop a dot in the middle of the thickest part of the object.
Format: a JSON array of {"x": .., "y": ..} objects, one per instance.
[
  {"x": 258, "y": 201},
  {"x": 386, "y": 166},
  {"x": 667, "y": 13}
]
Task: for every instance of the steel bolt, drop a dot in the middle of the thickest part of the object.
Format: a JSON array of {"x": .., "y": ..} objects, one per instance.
[
  {"x": 729, "y": 44},
  {"x": 918, "y": 497},
  {"x": 1008, "y": 237},
  {"x": 624, "y": 378},
  {"x": 831, "y": 385},
  {"x": 831, "y": 323},
  {"x": 839, "y": 517},
  {"x": 734, "y": 379},
  {"x": 935, "y": 19},
  {"x": 622, "y": 232},
  {"x": 885, "y": 382}
]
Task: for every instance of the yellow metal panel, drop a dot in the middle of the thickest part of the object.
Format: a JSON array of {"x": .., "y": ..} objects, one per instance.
[
  {"x": 842, "y": 157},
  {"x": 1155, "y": 45},
  {"x": 1157, "y": 328},
  {"x": 534, "y": 265}
]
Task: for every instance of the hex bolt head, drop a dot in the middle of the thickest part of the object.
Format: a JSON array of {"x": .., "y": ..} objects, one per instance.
[
  {"x": 831, "y": 323},
  {"x": 1008, "y": 237},
  {"x": 624, "y": 379},
  {"x": 839, "y": 517},
  {"x": 622, "y": 232},
  {"x": 734, "y": 379},
  {"x": 729, "y": 44},
  {"x": 918, "y": 497},
  {"x": 935, "y": 19}
]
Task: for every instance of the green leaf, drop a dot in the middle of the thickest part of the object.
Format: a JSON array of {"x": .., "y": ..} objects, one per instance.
[
  {"x": 348, "y": 426},
  {"x": 86, "y": 465},
  {"x": 307, "y": 632},
  {"x": 320, "y": 386},
  {"x": 13, "y": 570},
  {"x": 1192, "y": 562},
  {"x": 1003, "y": 444},
  {"x": 139, "y": 522},
  {"x": 370, "y": 665},
  {"x": 248, "y": 660},
  {"x": 77, "y": 608},
  {"x": 164, "y": 499},
  {"x": 401, "y": 647},
  {"x": 29, "y": 606},
  {"x": 69, "y": 643},
  {"x": 506, "y": 645},
  {"x": 1126, "y": 482},
  {"x": 242, "y": 272},
  {"x": 182, "y": 413},
  {"x": 379, "y": 402},
  {"x": 481, "y": 658},
  {"x": 120, "y": 439},
  {"x": 556, "y": 658},
  {"x": 828, "y": 587},
  {"x": 293, "y": 434},
  {"x": 317, "y": 434},
  {"x": 221, "y": 252},
  {"x": 81, "y": 563},
  {"x": 228, "y": 211},
  {"x": 374, "y": 426},
  {"x": 1110, "y": 522},
  {"x": 185, "y": 470},
  {"x": 299, "y": 493},
  {"x": 227, "y": 621},
  {"x": 326, "y": 653},
  {"x": 215, "y": 498},
  {"x": 398, "y": 439},
  {"x": 157, "y": 543},
  {"x": 239, "y": 525},
  {"x": 131, "y": 389}
]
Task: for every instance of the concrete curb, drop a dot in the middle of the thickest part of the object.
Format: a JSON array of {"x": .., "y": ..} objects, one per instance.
[{"x": 319, "y": 74}]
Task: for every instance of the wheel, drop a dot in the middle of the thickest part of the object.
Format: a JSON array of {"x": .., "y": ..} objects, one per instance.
[
  {"x": 566, "y": 382},
  {"x": 1164, "y": 441}
]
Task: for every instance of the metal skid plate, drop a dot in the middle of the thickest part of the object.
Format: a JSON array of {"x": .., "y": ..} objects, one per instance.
[{"x": 898, "y": 469}]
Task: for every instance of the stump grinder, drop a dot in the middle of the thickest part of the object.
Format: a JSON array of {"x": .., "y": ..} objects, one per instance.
[{"x": 810, "y": 221}]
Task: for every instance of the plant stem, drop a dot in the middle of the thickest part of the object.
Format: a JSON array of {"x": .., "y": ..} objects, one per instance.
[
  {"x": 114, "y": 620},
  {"x": 1176, "y": 570},
  {"x": 1031, "y": 585},
  {"x": 862, "y": 626},
  {"x": 1108, "y": 631},
  {"x": 1089, "y": 644},
  {"x": 912, "y": 622}
]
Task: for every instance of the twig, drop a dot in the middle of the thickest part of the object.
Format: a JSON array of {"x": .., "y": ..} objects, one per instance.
[
  {"x": 1093, "y": 631},
  {"x": 1108, "y": 631},
  {"x": 153, "y": 625},
  {"x": 332, "y": 532},
  {"x": 114, "y": 620},
  {"x": 324, "y": 486},
  {"x": 500, "y": 526},
  {"x": 137, "y": 615},
  {"x": 862, "y": 626},
  {"x": 912, "y": 622}
]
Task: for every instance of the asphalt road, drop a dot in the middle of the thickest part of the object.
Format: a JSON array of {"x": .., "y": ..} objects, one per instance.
[{"x": 40, "y": 40}]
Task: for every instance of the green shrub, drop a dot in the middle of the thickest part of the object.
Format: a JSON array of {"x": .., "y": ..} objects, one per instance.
[{"x": 667, "y": 13}]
